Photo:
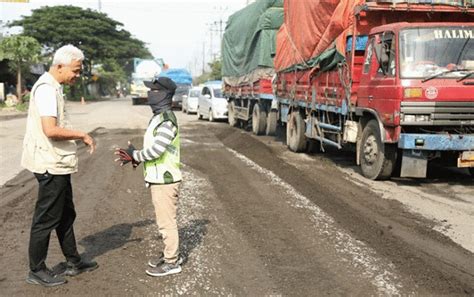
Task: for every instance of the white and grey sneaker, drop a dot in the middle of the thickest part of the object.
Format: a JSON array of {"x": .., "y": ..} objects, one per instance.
[
  {"x": 164, "y": 269},
  {"x": 153, "y": 262}
]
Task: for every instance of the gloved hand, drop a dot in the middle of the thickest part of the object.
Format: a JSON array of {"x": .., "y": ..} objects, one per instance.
[{"x": 126, "y": 155}]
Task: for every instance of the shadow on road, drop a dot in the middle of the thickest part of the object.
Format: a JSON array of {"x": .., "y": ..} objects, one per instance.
[
  {"x": 110, "y": 239},
  {"x": 118, "y": 235}
]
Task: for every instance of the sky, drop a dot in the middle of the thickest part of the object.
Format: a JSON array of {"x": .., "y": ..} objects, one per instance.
[{"x": 182, "y": 32}]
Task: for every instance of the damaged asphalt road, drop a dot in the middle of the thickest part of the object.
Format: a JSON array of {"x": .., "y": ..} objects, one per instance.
[{"x": 252, "y": 222}]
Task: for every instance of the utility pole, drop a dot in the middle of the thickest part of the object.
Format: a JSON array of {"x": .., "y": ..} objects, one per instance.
[
  {"x": 219, "y": 24},
  {"x": 203, "y": 57},
  {"x": 100, "y": 5}
]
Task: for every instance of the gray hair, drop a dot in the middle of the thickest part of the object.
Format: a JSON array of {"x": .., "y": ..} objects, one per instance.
[{"x": 66, "y": 54}]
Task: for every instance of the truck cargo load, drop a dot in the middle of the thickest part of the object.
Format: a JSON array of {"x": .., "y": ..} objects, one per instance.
[
  {"x": 249, "y": 42},
  {"x": 183, "y": 79},
  {"x": 248, "y": 48},
  {"x": 314, "y": 32}
]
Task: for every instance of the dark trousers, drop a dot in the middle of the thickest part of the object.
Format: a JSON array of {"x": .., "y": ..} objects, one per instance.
[{"x": 54, "y": 211}]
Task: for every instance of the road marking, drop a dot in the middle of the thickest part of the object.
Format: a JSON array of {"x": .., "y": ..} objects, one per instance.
[{"x": 380, "y": 272}]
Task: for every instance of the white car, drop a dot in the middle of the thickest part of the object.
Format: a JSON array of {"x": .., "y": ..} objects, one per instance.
[
  {"x": 190, "y": 101},
  {"x": 212, "y": 105}
]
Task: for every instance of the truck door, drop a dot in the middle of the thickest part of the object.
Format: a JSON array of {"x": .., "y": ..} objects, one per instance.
[{"x": 378, "y": 82}]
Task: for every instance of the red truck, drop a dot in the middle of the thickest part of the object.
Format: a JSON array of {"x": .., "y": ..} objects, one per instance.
[
  {"x": 394, "y": 79},
  {"x": 247, "y": 65}
]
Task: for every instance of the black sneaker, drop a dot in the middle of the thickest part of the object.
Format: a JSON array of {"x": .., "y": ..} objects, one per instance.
[
  {"x": 45, "y": 277},
  {"x": 70, "y": 269},
  {"x": 164, "y": 269},
  {"x": 161, "y": 259}
]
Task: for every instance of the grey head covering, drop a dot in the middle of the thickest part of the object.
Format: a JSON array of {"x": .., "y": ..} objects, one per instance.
[{"x": 161, "y": 94}]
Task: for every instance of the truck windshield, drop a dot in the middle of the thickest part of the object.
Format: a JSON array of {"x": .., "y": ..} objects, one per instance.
[{"x": 427, "y": 52}]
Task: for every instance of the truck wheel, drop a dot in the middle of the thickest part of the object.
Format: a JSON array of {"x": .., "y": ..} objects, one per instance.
[
  {"x": 377, "y": 159},
  {"x": 231, "y": 114},
  {"x": 471, "y": 171},
  {"x": 259, "y": 119},
  {"x": 271, "y": 123},
  {"x": 211, "y": 117},
  {"x": 134, "y": 101},
  {"x": 295, "y": 127}
]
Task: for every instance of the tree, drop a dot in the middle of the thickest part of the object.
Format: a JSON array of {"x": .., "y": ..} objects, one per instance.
[
  {"x": 21, "y": 51},
  {"x": 216, "y": 67},
  {"x": 100, "y": 38},
  {"x": 215, "y": 73}
]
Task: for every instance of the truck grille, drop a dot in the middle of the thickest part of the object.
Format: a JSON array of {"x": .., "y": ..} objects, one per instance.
[{"x": 437, "y": 113}]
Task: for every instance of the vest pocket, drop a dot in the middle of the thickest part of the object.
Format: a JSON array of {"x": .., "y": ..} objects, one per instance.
[{"x": 168, "y": 177}]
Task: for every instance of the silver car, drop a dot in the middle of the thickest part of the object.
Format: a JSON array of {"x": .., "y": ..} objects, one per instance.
[
  {"x": 211, "y": 104},
  {"x": 190, "y": 101}
]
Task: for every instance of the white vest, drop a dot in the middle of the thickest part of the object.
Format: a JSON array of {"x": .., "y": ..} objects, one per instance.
[{"x": 40, "y": 153}]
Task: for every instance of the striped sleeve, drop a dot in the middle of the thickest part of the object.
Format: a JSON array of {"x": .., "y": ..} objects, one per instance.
[{"x": 165, "y": 134}]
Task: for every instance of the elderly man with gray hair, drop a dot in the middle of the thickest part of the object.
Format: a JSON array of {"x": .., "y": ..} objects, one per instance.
[{"x": 49, "y": 152}]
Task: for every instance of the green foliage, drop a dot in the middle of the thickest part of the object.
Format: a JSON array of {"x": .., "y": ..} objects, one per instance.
[
  {"x": 215, "y": 73},
  {"x": 99, "y": 36},
  {"x": 22, "y": 106},
  {"x": 20, "y": 50},
  {"x": 111, "y": 73},
  {"x": 216, "y": 67},
  {"x": 102, "y": 39}
]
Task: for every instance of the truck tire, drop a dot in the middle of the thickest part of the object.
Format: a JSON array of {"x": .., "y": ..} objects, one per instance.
[
  {"x": 271, "y": 123},
  {"x": 295, "y": 127},
  {"x": 259, "y": 119},
  {"x": 377, "y": 159},
  {"x": 231, "y": 114},
  {"x": 471, "y": 171},
  {"x": 134, "y": 101}
]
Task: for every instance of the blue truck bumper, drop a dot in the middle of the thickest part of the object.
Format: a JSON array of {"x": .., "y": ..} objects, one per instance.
[{"x": 437, "y": 142}]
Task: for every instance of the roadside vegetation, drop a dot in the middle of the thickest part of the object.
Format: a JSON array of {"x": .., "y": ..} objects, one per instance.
[{"x": 109, "y": 50}]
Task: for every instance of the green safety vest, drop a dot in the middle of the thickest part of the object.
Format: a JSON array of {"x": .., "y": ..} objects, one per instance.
[{"x": 165, "y": 169}]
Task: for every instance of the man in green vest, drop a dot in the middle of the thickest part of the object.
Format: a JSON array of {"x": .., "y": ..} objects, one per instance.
[{"x": 160, "y": 155}]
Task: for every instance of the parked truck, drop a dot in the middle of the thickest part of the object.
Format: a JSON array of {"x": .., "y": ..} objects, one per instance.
[
  {"x": 183, "y": 80},
  {"x": 394, "y": 78},
  {"x": 247, "y": 65},
  {"x": 143, "y": 70}
]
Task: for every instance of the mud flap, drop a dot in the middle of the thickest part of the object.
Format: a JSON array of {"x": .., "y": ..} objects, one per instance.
[{"x": 414, "y": 163}]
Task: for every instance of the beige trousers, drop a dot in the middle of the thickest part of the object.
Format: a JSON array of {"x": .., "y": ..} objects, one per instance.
[{"x": 165, "y": 199}]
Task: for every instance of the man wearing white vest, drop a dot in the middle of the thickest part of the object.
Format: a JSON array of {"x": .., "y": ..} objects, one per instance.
[
  {"x": 49, "y": 151},
  {"x": 160, "y": 154}
]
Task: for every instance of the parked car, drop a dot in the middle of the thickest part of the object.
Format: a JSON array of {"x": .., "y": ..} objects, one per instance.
[
  {"x": 190, "y": 101},
  {"x": 212, "y": 104}
]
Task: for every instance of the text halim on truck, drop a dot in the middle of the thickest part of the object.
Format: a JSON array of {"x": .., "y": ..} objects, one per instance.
[
  {"x": 248, "y": 47},
  {"x": 143, "y": 70},
  {"x": 183, "y": 80},
  {"x": 393, "y": 77}
]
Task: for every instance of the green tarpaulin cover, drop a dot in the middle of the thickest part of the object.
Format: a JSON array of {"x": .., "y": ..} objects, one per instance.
[{"x": 249, "y": 40}]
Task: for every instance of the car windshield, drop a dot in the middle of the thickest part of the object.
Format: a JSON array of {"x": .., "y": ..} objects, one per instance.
[
  {"x": 217, "y": 93},
  {"x": 194, "y": 93},
  {"x": 443, "y": 52}
]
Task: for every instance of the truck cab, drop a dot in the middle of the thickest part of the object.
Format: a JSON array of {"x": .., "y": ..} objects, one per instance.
[{"x": 417, "y": 79}]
